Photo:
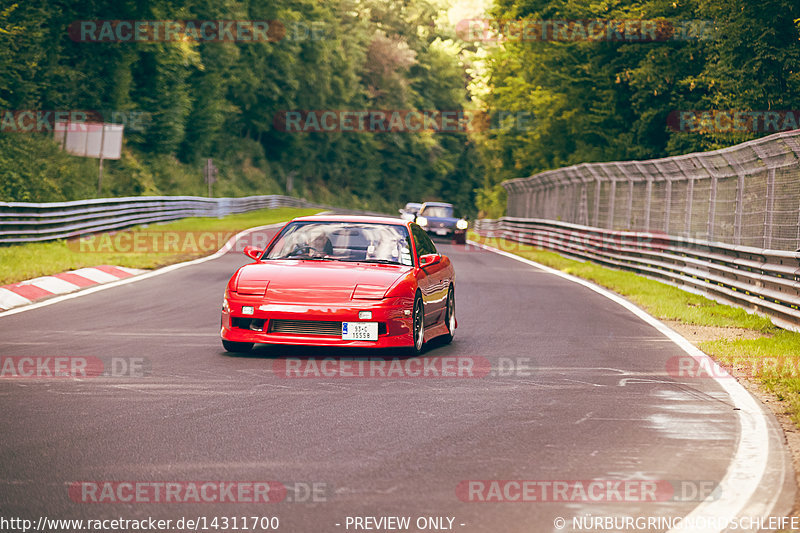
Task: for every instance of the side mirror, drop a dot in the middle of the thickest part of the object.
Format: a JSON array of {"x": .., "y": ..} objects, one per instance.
[
  {"x": 252, "y": 252},
  {"x": 429, "y": 259}
]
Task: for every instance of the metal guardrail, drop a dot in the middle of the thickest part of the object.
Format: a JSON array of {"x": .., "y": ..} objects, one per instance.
[
  {"x": 744, "y": 195},
  {"x": 765, "y": 281},
  {"x": 30, "y": 222}
]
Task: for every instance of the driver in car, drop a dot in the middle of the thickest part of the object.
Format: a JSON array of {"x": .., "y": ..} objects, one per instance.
[{"x": 321, "y": 245}]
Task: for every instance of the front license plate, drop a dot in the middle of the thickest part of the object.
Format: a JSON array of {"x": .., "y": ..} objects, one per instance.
[
  {"x": 440, "y": 231},
  {"x": 360, "y": 331}
]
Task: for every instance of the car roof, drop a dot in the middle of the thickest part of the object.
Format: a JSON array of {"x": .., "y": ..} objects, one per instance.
[
  {"x": 438, "y": 204},
  {"x": 396, "y": 221}
]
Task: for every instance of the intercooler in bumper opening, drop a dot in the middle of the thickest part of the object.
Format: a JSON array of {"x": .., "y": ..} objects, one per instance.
[
  {"x": 305, "y": 327},
  {"x": 312, "y": 327},
  {"x": 295, "y": 327}
]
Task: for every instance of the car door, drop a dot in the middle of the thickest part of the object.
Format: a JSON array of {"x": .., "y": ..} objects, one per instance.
[{"x": 433, "y": 280}]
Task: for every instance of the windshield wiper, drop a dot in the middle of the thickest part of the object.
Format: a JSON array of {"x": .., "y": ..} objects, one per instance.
[
  {"x": 307, "y": 258},
  {"x": 381, "y": 261}
]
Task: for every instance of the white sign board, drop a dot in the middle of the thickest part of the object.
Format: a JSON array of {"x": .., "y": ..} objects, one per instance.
[
  {"x": 112, "y": 141},
  {"x": 90, "y": 139}
]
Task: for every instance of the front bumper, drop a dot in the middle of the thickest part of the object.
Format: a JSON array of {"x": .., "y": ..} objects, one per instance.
[{"x": 394, "y": 313}]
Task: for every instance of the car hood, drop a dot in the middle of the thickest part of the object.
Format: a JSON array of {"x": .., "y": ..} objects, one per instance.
[{"x": 317, "y": 281}]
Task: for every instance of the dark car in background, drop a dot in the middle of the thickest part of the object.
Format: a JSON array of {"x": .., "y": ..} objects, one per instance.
[{"x": 438, "y": 218}]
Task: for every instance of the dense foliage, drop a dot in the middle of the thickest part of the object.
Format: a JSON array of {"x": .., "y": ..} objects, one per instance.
[
  {"x": 591, "y": 100},
  {"x": 192, "y": 100},
  {"x": 606, "y": 100}
]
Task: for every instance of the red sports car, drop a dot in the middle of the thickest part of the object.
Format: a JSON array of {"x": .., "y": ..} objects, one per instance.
[{"x": 342, "y": 281}]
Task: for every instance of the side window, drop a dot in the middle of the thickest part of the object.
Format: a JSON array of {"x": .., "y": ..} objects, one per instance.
[
  {"x": 429, "y": 246},
  {"x": 422, "y": 241}
]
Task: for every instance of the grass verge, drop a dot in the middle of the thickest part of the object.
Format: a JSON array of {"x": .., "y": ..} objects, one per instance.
[
  {"x": 30, "y": 260},
  {"x": 772, "y": 358}
]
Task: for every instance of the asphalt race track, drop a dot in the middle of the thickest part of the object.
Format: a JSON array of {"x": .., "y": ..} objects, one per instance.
[{"x": 580, "y": 391}]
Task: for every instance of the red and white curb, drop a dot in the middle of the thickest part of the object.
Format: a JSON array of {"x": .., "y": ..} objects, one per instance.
[
  {"x": 134, "y": 278},
  {"x": 26, "y": 292}
]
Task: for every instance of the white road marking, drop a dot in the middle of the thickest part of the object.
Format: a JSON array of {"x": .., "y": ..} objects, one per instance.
[{"x": 749, "y": 463}]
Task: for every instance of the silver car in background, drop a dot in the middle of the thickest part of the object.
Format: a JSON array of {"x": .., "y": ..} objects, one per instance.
[{"x": 410, "y": 211}]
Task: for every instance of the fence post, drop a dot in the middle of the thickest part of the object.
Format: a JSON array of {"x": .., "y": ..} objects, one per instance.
[
  {"x": 667, "y": 204},
  {"x": 689, "y": 199},
  {"x": 597, "y": 188},
  {"x": 737, "y": 218},
  {"x": 770, "y": 206},
  {"x": 630, "y": 203},
  {"x": 648, "y": 197},
  {"x": 712, "y": 205},
  {"x": 528, "y": 200},
  {"x": 612, "y": 194},
  {"x": 583, "y": 211},
  {"x": 540, "y": 202},
  {"x": 556, "y": 197}
]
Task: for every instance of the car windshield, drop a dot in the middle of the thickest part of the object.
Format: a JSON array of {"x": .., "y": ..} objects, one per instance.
[
  {"x": 343, "y": 241},
  {"x": 438, "y": 211}
]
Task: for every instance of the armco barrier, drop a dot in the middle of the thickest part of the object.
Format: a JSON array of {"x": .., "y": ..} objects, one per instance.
[
  {"x": 766, "y": 281},
  {"x": 743, "y": 195},
  {"x": 30, "y": 222}
]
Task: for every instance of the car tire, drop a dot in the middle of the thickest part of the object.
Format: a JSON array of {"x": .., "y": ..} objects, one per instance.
[
  {"x": 237, "y": 347},
  {"x": 460, "y": 238},
  {"x": 450, "y": 316},
  {"x": 418, "y": 326}
]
